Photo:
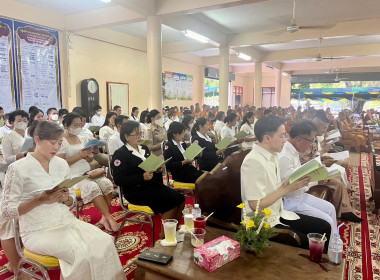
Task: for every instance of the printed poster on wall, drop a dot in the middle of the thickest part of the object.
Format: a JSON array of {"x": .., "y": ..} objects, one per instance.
[
  {"x": 7, "y": 83},
  {"x": 176, "y": 86},
  {"x": 37, "y": 62}
]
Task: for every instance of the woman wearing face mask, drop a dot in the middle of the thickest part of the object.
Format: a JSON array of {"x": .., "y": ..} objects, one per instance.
[
  {"x": 188, "y": 122},
  {"x": 171, "y": 116},
  {"x": 108, "y": 129},
  {"x": 229, "y": 132},
  {"x": 99, "y": 190},
  {"x": 47, "y": 227},
  {"x": 182, "y": 169},
  {"x": 155, "y": 132},
  {"x": 247, "y": 126},
  {"x": 13, "y": 141},
  {"x": 98, "y": 118},
  {"x": 211, "y": 156}
]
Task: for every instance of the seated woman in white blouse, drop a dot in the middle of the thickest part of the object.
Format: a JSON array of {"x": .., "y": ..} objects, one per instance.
[
  {"x": 247, "y": 126},
  {"x": 13, "y": 141},
  {"x": 108, "y": 129},
  {"x": 98, "y": 191},
  {"x": 47, "y": 227},
  {"x": 228, "y": 131}
]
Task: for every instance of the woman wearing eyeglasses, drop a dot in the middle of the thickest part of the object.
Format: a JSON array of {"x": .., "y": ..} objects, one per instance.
[{"x": 141, "y": 187}]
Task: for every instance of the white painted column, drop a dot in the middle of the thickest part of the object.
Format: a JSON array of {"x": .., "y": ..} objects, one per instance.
[
  {"x": 224, "y": 64},
  {"x": 154, "y": 56},
  {"x": 278, "y": 87},
  {"x": 258, "y": 81}
]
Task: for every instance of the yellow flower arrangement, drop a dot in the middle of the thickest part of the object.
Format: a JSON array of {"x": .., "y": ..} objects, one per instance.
[{"x": 255, "y": 231}]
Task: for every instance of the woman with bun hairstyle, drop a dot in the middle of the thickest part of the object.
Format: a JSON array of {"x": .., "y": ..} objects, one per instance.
[{"x": 211, "y": 156}]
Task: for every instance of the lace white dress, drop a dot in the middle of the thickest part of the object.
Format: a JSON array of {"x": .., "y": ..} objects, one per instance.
[
  {"x": 89, "y": 188},
  {"x": 83, "y": 250}
]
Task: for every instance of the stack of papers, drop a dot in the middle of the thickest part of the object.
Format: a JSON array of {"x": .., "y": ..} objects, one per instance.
[
  {"x": 340, "y": 156},
  {"x": 152, "y": 163},
  {"x": 68, "y": 183},
  {"x": 93, "y": 143},
  {"x": 192, "y": 151},
  {"x": 333, "y": 134},
  {"x": 223, "y": 143}
]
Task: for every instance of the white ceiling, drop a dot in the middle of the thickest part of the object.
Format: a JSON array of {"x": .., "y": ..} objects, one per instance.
[
  {"x": 258, "y": 26},
  {"x": 67, "y": 6}
]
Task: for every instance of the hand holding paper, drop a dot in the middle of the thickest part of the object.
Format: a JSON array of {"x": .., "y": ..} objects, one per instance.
[
  {"x": 93, "y": 143},
  {"x": 241, "y": 135},
  {"x": 193, "y": 151},
  {"x": 152, "y": 163},
  {"x": 223, "y": 143},
  {"x": 68, "y": 183}
]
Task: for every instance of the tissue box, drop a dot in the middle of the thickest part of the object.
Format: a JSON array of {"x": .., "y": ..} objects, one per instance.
[{"x": 208, "y": 258}]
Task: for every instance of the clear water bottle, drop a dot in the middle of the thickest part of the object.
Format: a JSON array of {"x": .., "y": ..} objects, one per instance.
[
  {"x": 196, "y": 211},
  {"x": 335, "y": 249}
]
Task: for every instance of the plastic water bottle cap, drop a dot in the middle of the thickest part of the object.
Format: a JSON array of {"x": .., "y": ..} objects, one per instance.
[{"x": 196, "y": 205}]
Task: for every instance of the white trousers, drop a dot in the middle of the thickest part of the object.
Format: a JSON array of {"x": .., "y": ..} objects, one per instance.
[
  {"x": 83, "y": 250},
  {"x": 310, "y": 205}
]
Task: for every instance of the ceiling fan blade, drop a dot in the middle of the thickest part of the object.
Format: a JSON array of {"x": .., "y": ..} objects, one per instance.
[
  {"x": 318, "y": 27},
  {"x": 331, "y": 58}
]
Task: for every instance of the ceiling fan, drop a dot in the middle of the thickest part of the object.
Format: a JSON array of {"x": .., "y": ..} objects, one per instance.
[
  {"x": 319, "y": 56},
  {"x": 293, "y": 27},
  {"x": 336, "y": 70},
  {"x": 337, "y": 79}
]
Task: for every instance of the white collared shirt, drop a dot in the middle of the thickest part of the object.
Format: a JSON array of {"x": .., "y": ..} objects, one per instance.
[
  {"x": 218, "y": 126},
  {"x": 260, "y": 176},
  {"x": 140, "y": 153},
  {"x": 179, "y": 146},
  {"x": 114, "y": 143},
  {"x": 206, "y": 137},
  {"x": 289, "y": 161},
  {"x": 96, "y": 119}
]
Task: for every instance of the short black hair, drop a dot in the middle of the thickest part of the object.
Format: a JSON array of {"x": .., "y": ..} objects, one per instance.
[
  {"x": 175, "y": 127},
  {"x": 97, "y": 107},
  {"x": 302, "y": 127},
  {"x": 62, "y": 112},
  {"x": 267, "y": 112},
  {"x": 144, "y": 116},
  {"x": 186, "y": 120},
  {"x": 320, "y": 114},
  {"x": 230, "y": 117},
  {"x": 50, "y": 109},
  {"x": 127, "y": 128},
  {"x": 119, "y": 119},
  {"x": 267, "y": 126},
  {"x": 220, "y": 115},
  {"x": 32, "y": 108},
  {"x": 21, "y": 113},
  {"x": 116, "y": 107},
  {"x": 68, "y": 120},
  {"x": 6, "y": 116},
  {"x": 134, "y": 109},
  {"x": 1, "y": 108}
]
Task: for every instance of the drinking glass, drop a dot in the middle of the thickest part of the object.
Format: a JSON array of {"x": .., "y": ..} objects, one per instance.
[
  {"x": 200, "y": 222},
  {"x": 200, "y": 234},
  {"x": 170, "y": 229},
  {"x": 316, "y": 245}
]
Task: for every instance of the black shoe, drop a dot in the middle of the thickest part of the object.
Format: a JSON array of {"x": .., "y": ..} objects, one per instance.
[{"x": 351, "y": 217}]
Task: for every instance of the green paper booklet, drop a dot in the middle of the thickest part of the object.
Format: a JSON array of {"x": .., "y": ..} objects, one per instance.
[
  {"x": 68, "y": 183},
  {"x": 223, "y": 143},
  {"x": 152, "y": 163},
  {"x": 192, "y": 151},
  {"x": 165, "y": 137},
  {"x": 146, "y": 142},
  {"x": 241, "y": 135},
  {"x": 312, "y": 168},
  {"x": 94, "y": 128},
  {"x": 28, "y": 144}
]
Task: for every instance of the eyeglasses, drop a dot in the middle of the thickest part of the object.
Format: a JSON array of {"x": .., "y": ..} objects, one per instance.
[
  {"x": 311, "y": 141},
  {"x": 137, "y": 134}
]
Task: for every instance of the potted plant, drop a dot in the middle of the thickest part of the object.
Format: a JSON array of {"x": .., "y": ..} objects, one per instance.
[{"x": 255, "y": 231}]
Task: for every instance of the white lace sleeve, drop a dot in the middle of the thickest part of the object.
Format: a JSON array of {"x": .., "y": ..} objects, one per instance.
[
  {"x": 12, "y": 192},
  {"x": 8, "y": 149}
]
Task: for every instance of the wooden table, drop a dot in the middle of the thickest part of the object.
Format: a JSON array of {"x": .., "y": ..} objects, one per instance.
[{"x": 277, "y": 262}]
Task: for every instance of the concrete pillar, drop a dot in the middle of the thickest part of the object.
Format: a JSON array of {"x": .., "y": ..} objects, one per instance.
[
  {"x": 278, "y": 87},
  {"x": 258, "y": 80},
  {"x": 154, "y": 56},
  {"x": 224, "y": 64}
]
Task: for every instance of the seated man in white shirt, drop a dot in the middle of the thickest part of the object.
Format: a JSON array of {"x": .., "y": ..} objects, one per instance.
[
  {"x": 114, "y": 142},
  {"x": 260, "y": 182},
  {"x": 302, "y": 134},
  {"x": 52, "y": 114}
]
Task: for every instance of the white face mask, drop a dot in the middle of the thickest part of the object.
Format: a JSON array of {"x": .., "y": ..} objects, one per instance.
[
  {"x": 54, "y": 117},
  {"x": 21, "y": 125},
  {"x": 99, "y": 113},
  {"x": 158, "y": 122},
  {"x": 191, "y": 125},
  {"x": 75, "y": 131}
]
